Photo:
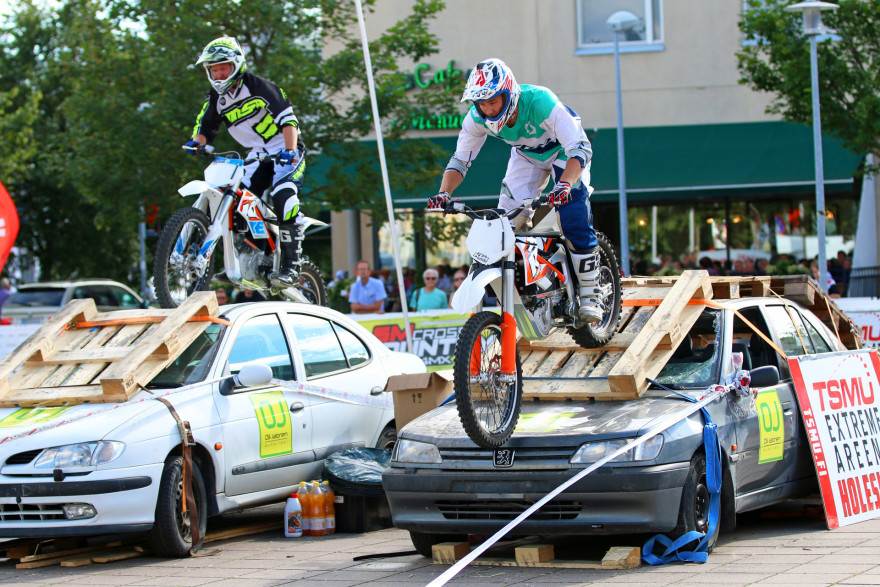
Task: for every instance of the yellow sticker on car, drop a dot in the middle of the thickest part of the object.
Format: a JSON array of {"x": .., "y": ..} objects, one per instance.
[
  {"x": 273, "y": 418},
  {"x": 771, "y": 426},
  {"x": 540, "y": 422},
  {"x": 27, "y": 416}
]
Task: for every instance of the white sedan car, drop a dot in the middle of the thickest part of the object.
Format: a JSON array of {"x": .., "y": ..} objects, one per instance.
[{"x": 101, "y": 468}]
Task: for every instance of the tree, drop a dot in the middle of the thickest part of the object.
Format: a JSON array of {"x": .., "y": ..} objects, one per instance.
[
  {"x": 117, "y": 94},
  {"x": 849, "y": 67}
]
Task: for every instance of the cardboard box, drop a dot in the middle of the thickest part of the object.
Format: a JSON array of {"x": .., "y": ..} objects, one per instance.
[{"x": 416, "y": 394}]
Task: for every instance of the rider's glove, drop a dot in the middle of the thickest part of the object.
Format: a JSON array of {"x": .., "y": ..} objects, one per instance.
[
  {"x": 560, "y": 195},
  {"x": 287, "y": 157},
  {"x": 439, "y": 201},
  {"x": 192, "y": 147}
]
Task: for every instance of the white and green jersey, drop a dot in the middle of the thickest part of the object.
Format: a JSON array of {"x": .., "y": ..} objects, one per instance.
[{"x": 545, "y": 130}]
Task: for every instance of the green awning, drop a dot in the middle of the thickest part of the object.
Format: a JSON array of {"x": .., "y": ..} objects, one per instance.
[{"x": 680, "y": 162}]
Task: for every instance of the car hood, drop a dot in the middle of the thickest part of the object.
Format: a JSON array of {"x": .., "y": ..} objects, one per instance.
[
  {"x": 557, "y": 420},
  {"x": 24, "y": 429}
]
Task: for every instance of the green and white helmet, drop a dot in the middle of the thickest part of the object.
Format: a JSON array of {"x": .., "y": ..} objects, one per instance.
[{"x": 223, "y": 50}]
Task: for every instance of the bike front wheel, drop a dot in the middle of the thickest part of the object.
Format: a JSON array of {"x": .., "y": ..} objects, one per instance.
[
  {"x": 311, "y": 284},
  {"x": 488, "y": 400},
  {"x": 178, "y": 269}
]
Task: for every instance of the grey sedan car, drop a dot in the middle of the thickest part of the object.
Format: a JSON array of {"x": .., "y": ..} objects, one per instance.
[{"x": 441, "y": 486}]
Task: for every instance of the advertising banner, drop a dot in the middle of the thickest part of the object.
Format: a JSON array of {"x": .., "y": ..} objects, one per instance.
[
  {"x": 865, "y": 314},
  {"x": 837, "y": 393},
  {"x": 434, "y": 334}
]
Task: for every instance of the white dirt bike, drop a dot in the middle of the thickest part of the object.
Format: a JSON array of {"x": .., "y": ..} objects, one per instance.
[
  {"x": 533, "y": 276},
  {"x": 248, "y": 228}
]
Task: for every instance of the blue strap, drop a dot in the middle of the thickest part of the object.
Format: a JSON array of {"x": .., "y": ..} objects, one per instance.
[{"x": 673, "y": 551}]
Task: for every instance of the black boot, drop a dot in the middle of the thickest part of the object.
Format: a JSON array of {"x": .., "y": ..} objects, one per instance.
[{"x": 290, "y": 244}]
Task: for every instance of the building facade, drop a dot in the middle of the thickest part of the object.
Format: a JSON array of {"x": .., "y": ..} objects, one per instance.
[{"x": 708, "y": 170}]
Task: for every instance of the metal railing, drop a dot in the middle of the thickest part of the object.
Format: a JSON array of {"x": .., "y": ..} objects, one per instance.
[{"x": 863, "y": 282}]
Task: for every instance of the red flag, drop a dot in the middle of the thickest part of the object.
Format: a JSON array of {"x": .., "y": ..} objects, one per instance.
[{"x": 8, "y": 225}]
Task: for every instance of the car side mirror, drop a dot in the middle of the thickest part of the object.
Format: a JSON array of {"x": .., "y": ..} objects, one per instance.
[
  {"x": 766, "y": 376},
  {"x": 251, "y": 374}
]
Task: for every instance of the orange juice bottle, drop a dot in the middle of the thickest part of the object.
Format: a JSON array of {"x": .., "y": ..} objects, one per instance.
[
  {"x": 305, "y": 498},
  {"x": 316, "y": 507},
  {"x": 329, "y": 508}
]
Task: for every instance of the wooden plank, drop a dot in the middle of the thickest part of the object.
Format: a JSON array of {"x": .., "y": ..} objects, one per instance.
[
  {"x": 528, "y": 556},
  {"x": 628, "y": 375},
  {"x": 622, "y": 557},
  {"x": 122, "y": 339},
  {"x": 60, "y": 375},
  {"x": 533, "y": 361},
  {"x": 98, "y": 355},
  {"x": 446, "y": 553},
  {"x": 76, "y": 561},
  {"x": 552, "y": 363},
  {"x": 242, "y": 531},
  {"x": 557, "y": 389},
  {"x": 117, "y": 556},
  {"x": 579, "y": 363},
  {"x": 58, "y": 396}
]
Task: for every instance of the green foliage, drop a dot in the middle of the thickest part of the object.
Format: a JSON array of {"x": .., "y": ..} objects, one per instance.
[
  {"x": 335, "y": 299},
  {"x": 96, "y": 97},
  {"x": 849, "y": 69},
  {"x": 785, "y": 267}
]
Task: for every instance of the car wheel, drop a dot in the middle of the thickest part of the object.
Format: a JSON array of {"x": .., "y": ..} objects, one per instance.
[
  {"x": 423, "y": 542},
  {"x": 694, "y": 511},
  {"x": 387, "y": 438},
  {"x": 171, "y": 535}
]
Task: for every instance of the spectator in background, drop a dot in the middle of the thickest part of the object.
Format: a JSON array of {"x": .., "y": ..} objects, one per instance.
[
  {"x": 429, "y": 297},
  {"x": 4, "y": 292},
  {"x": 706, "y": 263},
  {"x": 222, "y": 296},
  {"x": 248, "y": 295},
  {"x": 457, "y": 279},
  {"x": 760, "y": 266},
  {"x": 367, "y": 294},
  {"x": 443, "y": 281},
  {"x": 833, "y": 291},
  {"x": 339, "y": 276}
]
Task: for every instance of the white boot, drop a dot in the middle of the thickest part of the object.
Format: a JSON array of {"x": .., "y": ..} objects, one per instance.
[{"x": 586, "y": 266}]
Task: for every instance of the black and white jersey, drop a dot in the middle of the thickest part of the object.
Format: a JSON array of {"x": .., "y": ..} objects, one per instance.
[{"x": 254, "y": 111}]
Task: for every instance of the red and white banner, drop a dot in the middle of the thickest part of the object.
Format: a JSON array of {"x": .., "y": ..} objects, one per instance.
[
  {"x": 838, "y": 396},
  {"x": 8, "y": 225}
]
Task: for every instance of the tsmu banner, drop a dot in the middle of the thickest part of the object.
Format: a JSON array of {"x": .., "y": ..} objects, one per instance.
[
  {"x": 838, "y": 397},
  {"x": 434, "y": 334}
]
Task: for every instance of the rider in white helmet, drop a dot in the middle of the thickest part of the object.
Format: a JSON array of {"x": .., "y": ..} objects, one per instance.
[
  {"x": 546, "y": 139},
  {"x": 260, "y": 117}
]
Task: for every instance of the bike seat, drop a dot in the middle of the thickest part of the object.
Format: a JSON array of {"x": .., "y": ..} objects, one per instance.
[{"x": 547, "y": 227}]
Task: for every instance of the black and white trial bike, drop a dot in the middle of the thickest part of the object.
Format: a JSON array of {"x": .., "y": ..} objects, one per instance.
[
  {"x": 246, "y": 225},
  {"x": 533, "y": 276}
]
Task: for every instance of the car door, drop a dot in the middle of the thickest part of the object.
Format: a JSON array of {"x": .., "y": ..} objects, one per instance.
[
  {"x": 336, "y": 358},
  {"x": 267, "y": 430},
  {"x": 776, "y": 409}
]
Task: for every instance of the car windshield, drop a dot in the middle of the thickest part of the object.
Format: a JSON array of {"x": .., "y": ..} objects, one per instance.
[
  {"x": 695, "y": 363},
  {"x": 36, "y": 296},
  {"x": 194, "y": 363}
]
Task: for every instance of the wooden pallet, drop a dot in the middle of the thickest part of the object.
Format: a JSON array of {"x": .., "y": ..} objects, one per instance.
[
  {"x": 81, "y": 356},
  {"x": 538, "y": 555},
  {"x": 804, "y": 290},
  {"x": 648, "y": 336}
]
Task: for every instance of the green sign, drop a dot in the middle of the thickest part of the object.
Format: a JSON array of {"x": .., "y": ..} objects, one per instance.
[{"x": 423, "y": 77}]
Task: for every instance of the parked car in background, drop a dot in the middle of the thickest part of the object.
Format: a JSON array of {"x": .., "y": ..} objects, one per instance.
[
  {"x": 441, "y": 486},
  {"x": 118, "y": 469},
  {"x": 34, "y": 303}
]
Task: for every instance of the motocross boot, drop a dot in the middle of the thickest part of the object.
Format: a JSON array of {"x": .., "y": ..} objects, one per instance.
[
  {"x": 586, "y": 266},
  {"x": 290, "y": 239}
]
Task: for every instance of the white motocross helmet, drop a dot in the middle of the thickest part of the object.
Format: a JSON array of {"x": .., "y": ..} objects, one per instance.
[
  {"x": 492, "y": 77},
  {"x": 223, "y": 50}
]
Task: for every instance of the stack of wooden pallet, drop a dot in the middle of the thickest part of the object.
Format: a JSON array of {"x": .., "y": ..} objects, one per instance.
[
  {"x": 82, "y": 356},
  {"x": 661, "y": 311}
]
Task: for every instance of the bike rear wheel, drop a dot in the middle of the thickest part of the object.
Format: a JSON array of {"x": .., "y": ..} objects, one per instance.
[
  {"x": 595, "y": 335},
  {"x": 488, "y": 406},
  {"x": 177, "y": 270}
]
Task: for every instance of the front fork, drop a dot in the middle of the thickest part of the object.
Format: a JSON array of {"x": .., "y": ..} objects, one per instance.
[
  {"x": 508, "y": 328},
  {"x": 219, "y": 226}
]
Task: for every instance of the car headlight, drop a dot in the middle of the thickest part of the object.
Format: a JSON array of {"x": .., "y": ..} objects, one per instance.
[
  {"x": 411, "y": 451},
  {"x": 591, "y": 452},
  {"x": 83, "y": 454}
]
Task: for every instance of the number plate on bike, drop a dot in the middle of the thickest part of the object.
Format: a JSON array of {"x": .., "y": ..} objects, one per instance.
[{"x": 503, "y": 457}]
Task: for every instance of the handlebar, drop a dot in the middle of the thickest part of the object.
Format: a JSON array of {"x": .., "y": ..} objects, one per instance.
[
  {"x": 456, "y": 207},
  {"x": 208, "y": 152}
]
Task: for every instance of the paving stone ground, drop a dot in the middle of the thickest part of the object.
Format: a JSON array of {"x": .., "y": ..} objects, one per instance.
[{"x": 772, "y": 547}]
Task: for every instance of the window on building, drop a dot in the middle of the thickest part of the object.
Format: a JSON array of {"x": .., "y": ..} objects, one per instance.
[{"x": 594, "y": 36}]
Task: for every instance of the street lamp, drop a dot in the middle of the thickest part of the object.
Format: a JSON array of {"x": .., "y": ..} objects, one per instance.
[
  {"x": 620, "y": 22},
  {"x": 811, "y": 10}
]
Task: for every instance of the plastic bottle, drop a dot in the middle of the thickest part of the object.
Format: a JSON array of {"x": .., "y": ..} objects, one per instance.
[
  {"x": 316, "y": 508},
  {"x": 293, "y": 518},
  {"x": 304, "y": 494},
  {"x": 329, "y": 508}
]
